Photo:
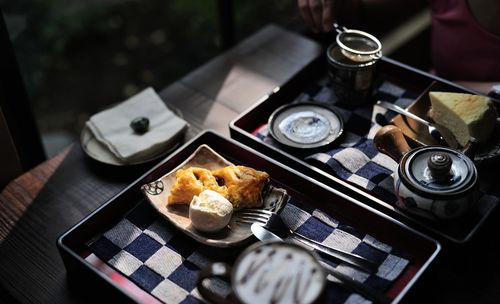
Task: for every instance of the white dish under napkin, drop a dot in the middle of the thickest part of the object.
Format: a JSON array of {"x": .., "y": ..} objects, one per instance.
[{"x": 112, "y": 127}]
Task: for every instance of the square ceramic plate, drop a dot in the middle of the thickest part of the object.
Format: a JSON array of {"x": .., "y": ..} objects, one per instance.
[
  {"x": 418, "y": 134},
  {"x": 235, "y": 233}
]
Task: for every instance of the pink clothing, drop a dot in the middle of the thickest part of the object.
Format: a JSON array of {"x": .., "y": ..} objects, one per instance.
[{"x": 461, "y": 48}]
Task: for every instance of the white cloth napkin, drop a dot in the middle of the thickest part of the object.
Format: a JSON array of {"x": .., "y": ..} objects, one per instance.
[{"x": 112, "y": 127}]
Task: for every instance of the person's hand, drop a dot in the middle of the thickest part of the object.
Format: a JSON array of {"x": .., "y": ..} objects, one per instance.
[{"x": 317, "y": 14}]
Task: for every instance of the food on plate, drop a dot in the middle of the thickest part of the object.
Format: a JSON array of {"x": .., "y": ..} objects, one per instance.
[
  {"x": 241, "y": 185},
  {"x": 210, "y": 211},
  {"x": 190, "y": 182},
  {"x": 464, "y": 115},
  {"x": 244, "y": 185}
]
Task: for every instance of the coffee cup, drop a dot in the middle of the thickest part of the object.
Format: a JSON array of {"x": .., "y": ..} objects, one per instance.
[{"x": 268, "y": 272}]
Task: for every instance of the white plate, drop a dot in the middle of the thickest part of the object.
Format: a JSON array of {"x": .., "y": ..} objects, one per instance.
[{"x": 99, "y": 152}]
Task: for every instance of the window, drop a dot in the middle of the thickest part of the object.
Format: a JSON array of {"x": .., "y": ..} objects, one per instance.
[{"x": 80, "y": 56}]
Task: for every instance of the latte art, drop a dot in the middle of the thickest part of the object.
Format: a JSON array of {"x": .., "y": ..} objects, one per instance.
[{"x": 278, "y": 273}]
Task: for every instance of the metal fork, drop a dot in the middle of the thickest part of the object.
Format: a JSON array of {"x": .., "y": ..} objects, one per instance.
[{"x": 274, "y": 223}]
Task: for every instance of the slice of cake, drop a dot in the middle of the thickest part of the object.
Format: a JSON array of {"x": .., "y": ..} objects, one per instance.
[{"x": 464, "y": 115}]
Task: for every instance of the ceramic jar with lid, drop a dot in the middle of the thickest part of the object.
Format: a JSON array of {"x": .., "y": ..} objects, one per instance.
[{"x": 431, "y": 181}]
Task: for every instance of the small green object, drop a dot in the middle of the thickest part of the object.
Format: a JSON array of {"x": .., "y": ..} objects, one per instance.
[{"x": 140, "y": 125}]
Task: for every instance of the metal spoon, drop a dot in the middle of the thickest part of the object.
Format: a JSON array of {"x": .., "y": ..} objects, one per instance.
[{"x": 433, "y": 131}]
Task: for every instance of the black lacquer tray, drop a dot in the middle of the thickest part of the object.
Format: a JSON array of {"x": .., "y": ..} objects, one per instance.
[
  {"x": 417, "y": 84},
  {"x": 341, "y": 203}
]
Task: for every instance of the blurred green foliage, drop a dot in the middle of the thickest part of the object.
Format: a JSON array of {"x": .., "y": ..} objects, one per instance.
[{"x": 79, "y": 56}]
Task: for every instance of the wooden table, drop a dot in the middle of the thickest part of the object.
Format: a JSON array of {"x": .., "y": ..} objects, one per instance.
[{"x": 40, "y": 205}]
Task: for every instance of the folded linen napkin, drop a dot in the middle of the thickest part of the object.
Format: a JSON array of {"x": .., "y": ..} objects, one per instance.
[{"x": 112, "y": 127}]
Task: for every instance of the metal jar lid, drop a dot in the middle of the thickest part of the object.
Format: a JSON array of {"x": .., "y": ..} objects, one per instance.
[{"x": 438, "y": 171}]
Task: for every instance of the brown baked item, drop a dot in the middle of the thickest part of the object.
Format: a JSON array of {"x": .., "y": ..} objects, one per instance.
[
  {"x": 241, "y": 185},
  {"x": 190, "y": 182},
  {"x": 244, "y": 185}
]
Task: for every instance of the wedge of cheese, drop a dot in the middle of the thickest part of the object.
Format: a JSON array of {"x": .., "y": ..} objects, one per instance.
[{"x": 464, "y": 115}]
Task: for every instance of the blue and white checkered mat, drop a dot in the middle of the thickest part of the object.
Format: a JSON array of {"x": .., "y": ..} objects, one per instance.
[
  {"x": 165, "y": 262},
  {"x": 356, "y": 159}
]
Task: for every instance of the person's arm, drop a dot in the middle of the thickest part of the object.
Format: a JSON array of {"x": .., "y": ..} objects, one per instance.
[{"x": 319, "y": 15}]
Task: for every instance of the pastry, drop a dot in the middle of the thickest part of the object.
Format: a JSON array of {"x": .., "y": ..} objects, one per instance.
[
  {"x": 241, "y": 185},
  {"x": 210, "y": 211},
  {"x": 464, "y": 115},
  {"x": 190, "y": 182},
  {"x": 244, "y": 185}
]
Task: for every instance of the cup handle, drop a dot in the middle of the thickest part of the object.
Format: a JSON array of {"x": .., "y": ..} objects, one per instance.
[{"x": 221, "y": 270}]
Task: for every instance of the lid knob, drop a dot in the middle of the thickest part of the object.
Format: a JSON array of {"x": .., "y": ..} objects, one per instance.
[{"x": 439, "y": 164}]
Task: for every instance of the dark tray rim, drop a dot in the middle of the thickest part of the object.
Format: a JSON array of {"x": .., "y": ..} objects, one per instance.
[
  {"x": 237, "y": 132},
  {"x": 70, "y": 257}
]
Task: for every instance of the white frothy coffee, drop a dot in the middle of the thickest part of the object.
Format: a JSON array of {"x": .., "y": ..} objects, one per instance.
[{"x": 278, "y": 273}]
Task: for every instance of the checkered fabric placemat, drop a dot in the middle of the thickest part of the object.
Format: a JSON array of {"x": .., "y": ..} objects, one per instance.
[
  {"x": 163, "y": 261},
  {"x": 356, "y": 159}
]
